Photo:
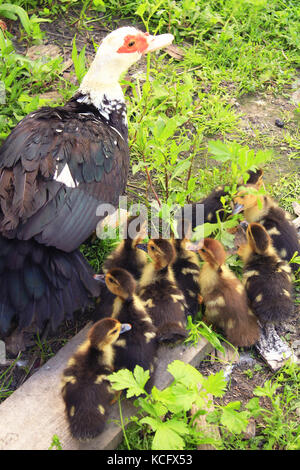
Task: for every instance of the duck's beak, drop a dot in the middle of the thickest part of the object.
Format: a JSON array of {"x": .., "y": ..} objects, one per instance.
[
  {"x": 158, "y": 42},
  {"x": 237, "y": 208},
  {"x": 125, "y": 327}
]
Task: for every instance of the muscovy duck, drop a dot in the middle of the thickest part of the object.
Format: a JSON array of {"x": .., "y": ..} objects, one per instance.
[{"x": 56, "y": 167}]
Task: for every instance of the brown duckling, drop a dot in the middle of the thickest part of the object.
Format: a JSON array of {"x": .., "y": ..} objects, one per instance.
[
  {"x": 225, "y": 298},
  {"x": 139, "y": 345},
  {"x": 186, "y": 268},
  {"x": 160, "y": 293},
  {"x": 266, "y": 276},
  {"x": 85, "y": 388},
  {"x": 264, "y": 210}
]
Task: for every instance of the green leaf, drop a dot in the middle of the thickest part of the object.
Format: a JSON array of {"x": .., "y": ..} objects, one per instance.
[
  {"x": 154, "y": 423},
  {"x": 153, "y": 409},
  {"x": 167, "y": 433},
  {"x": 205, "y": 331},
  {"x": 215, "y": 384},
  {"x": 141, "y": 10},
  {"x": 185, "y": 373},
  {"x": 178, "y": 426},
  {"x": 234, "y": 421},
  {"x": 254, "y": 407},
  {"x": 141, "y": 376},
  {"x": 78, "y": 61},
  {"x": 219, "y": 150},
  {"x": 125, "y": 379},
  {"x": 176, "y": 398},
  {"x": 167, "y": 439},
  {"x": 180, "y": 168},
  {"x": 12, "y": 10}
]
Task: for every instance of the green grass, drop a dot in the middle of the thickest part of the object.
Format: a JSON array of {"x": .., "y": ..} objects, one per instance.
[
  {"x": 6, "y": 379},
  {"x": 275, "y": 407}
]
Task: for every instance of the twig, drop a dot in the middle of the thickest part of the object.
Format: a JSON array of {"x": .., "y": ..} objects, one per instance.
[{"x": 139, "y": 188}]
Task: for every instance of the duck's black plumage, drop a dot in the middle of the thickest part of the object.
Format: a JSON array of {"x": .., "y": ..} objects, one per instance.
[
  {"x": 41, "y": 284},
  {"x": 59, "y": 164},
  {"x": 56, "y": 167},
  {"x": 33, "y": 203}
]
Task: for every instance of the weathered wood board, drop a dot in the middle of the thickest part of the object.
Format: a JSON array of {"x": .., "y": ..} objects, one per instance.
[{"x": 34, "y": 413}]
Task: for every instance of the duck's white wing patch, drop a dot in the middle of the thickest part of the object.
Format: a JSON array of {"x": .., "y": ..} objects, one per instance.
[{"x": 65, "y": 177}]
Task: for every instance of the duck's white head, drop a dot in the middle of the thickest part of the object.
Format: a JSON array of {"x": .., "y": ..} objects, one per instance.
[{"x": 117, "y": 52}]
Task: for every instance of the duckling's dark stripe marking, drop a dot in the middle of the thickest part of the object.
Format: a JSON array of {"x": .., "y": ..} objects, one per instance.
[
  {"x": 140, "y": 342},
  {"x": 186, "y": 274}
]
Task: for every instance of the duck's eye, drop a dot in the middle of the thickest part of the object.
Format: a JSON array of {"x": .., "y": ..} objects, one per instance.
[
  {"x": 203, "y": 250},
  {"x": 112, "y": 280},
  {"x": 152, "y": 247},
  {"x": 113, "y": 332},
  {"x": 131, "y": 43}
]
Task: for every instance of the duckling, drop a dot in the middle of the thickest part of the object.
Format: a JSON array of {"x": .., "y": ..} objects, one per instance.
[
  {"x": 160, "y": 293},
  {"x": 186, "y": 268},
  {"x": 263, "y": 209},
  {"x": 212, "y": 202},
  {"x": 225, "y": 298},
  {"x": 128, "y": 256},
  {"x": 266, "y": 276},
  {"x": 85, "y": 388},
  {"x": 139, "y": 347}
]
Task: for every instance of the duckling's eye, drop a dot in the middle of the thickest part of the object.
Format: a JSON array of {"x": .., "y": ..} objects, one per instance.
[
  {"x": 113, "y": 332},
  {"x": 152, "y": 248},
  {"x": 112, "y": 280},
  {"x": 131, "y": 43},
  {"x": 203, "y": 250}
]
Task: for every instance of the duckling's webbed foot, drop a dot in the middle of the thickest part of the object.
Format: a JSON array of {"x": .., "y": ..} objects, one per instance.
[{"x": 272, "y": 348}]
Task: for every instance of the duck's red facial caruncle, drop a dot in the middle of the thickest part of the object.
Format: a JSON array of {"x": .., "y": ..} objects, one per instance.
[
  {"x": 134, "y": 43},
  {"x": 144, "y": 42}
]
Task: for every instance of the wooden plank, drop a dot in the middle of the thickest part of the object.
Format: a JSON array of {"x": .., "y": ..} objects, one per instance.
[{"x": 34, "y": 413}]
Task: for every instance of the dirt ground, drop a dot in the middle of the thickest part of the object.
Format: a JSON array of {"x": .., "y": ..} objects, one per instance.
[{"x": 258, "y": 113}]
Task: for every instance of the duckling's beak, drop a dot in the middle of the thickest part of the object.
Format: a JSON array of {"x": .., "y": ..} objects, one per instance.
[
  {"x": 125, "y": 327},
  {"x": 244, "y": 224},
  {"x": 237, "y": 208},
  {"x": 142, "y": 246},
  {"x": 194, "y": 246},
  {"x": 99, "y": 277}
]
